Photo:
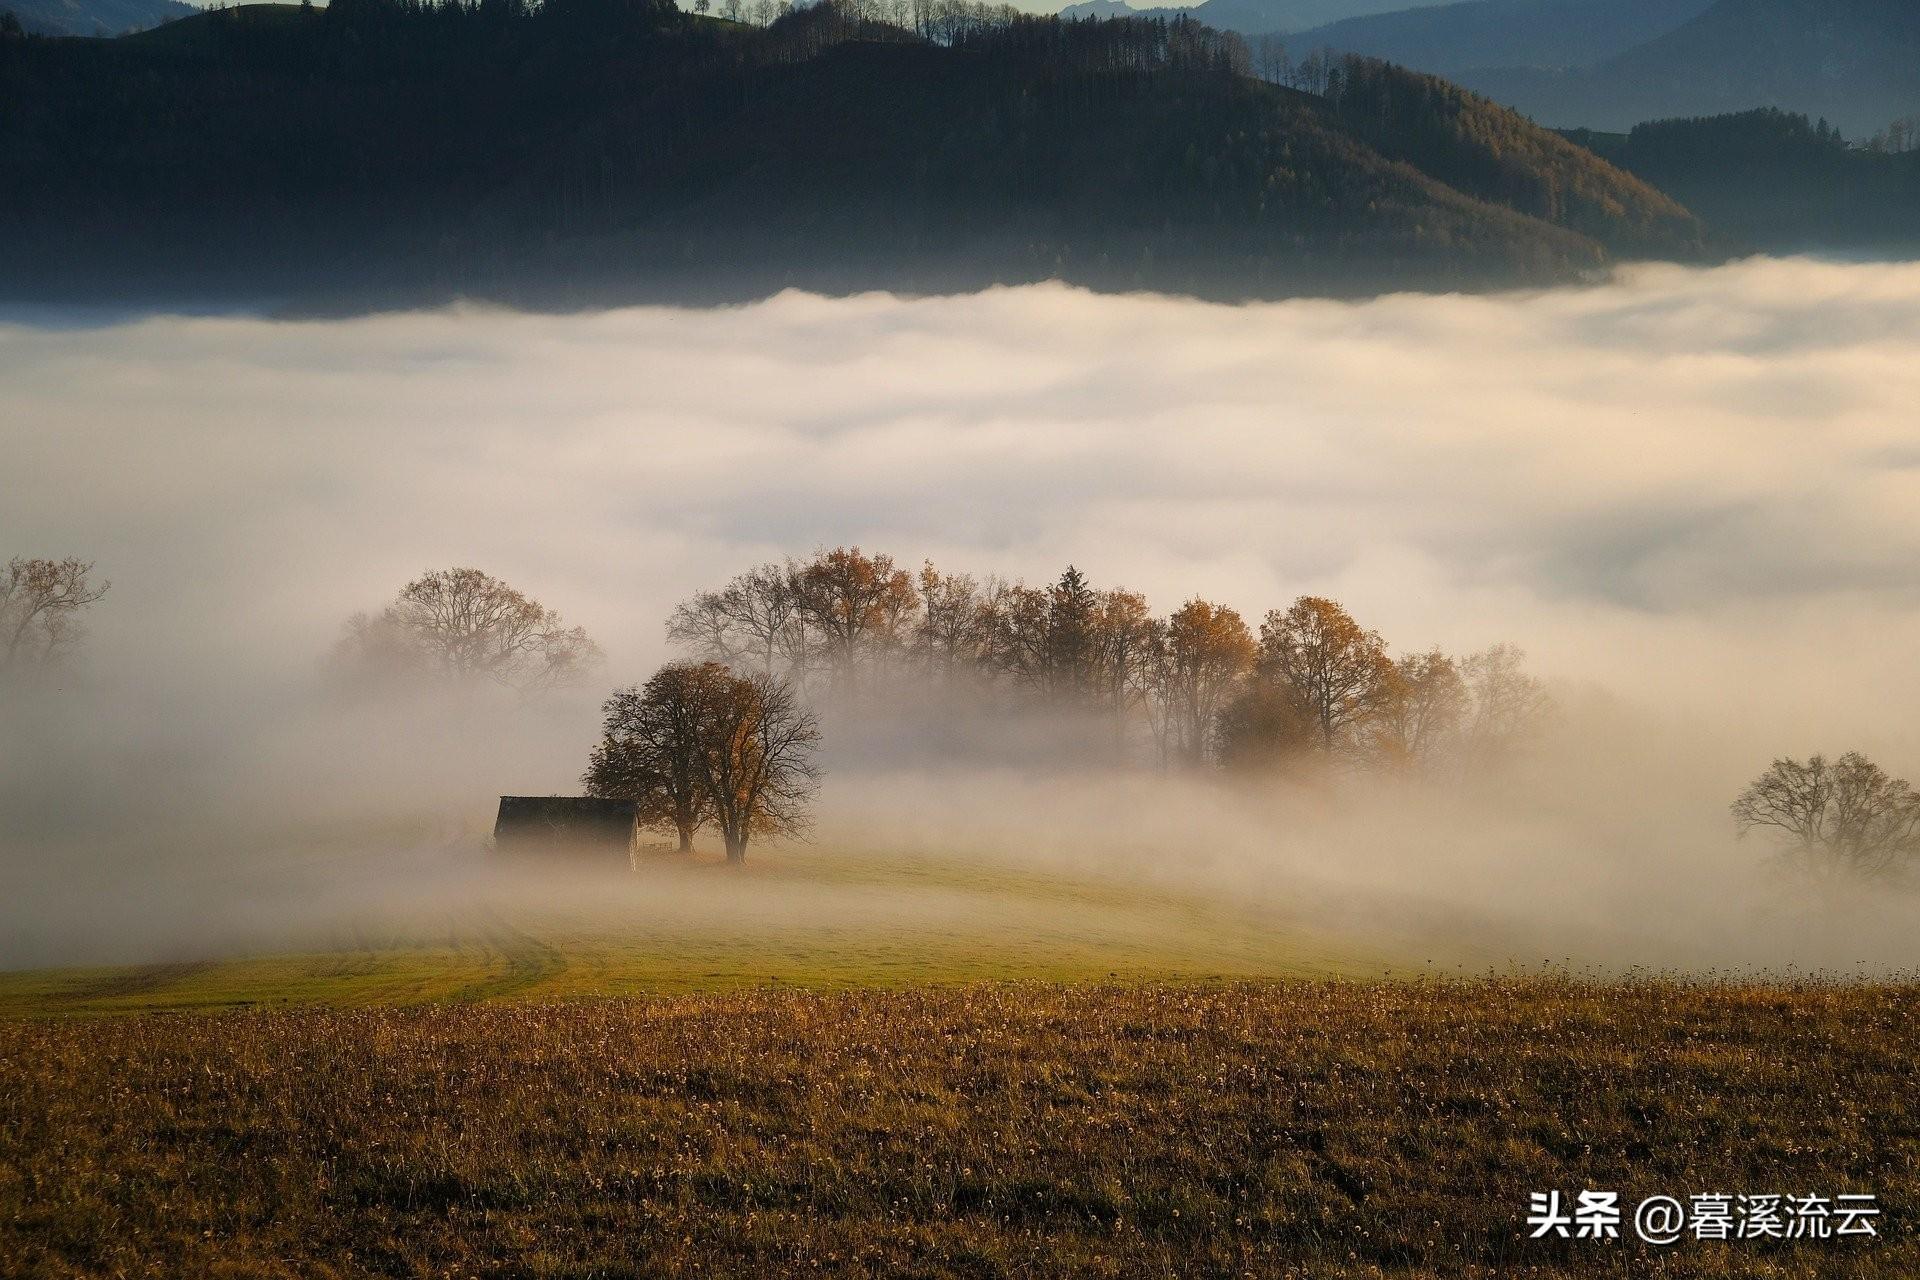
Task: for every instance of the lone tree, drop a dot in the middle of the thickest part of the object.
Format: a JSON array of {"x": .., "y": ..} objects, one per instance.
[
  {"x": 698, "y": 743},
  {"x": 1844, "y": 815},
  {"x": 40, "y": 606},
  {"x": 467, "y": 626},
  {"x": 650, "y": 749},
  {"x": 757, "y": 759}
]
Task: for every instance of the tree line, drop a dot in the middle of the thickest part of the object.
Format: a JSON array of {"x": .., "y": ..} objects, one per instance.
[
  {"x": 1197, "y": 686},
  {"x": 728, "y": 737}
]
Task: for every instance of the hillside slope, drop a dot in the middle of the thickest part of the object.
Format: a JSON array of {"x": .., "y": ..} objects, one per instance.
[
  {"x": 1854, "y": 62},
  {"x": 690, "y": 159},
  {"x": 1777, "y": 181}
]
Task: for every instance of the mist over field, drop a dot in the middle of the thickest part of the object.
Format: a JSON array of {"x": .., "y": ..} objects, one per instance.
[{"x": 1693, "y": 496}]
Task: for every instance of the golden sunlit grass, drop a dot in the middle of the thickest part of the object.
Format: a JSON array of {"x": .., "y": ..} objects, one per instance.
[
  {"x": 1322, "y": 1129},
  {"x": 814, "y": 918}
]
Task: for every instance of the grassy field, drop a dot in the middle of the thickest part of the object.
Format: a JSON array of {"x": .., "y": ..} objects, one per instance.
[
  {"x": 1322, "y": 1129},
  {"x": 812, "y": 919}
]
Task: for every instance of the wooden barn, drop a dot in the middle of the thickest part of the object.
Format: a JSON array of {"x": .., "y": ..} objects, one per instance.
[{"x": 578, "y": 828}]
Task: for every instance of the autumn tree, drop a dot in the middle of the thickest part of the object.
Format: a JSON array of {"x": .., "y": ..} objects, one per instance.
[
  {"x": 1262, "y": 727},
  {"x": 468, "y": 627},
  {"x": 1419, "y": 718},
  {"x": 40, "y": 606},
  {"x": 1205, "y": 654},
  {"x": 1337, "y": 672},
  {"x": 1124, "y": 652},
  {"x": 651, "y": 748},
  {"x": 756, "y": 758},
  {"x": 1846, "y": 815},
  {"x": 859, "y": 606}
]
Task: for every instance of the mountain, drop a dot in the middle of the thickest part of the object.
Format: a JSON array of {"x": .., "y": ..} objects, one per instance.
[
  {"x": 1854, "y": 62},
  {"x": 1451, "y": 38},
  {"x": 93, "y": 17},
  {"x": 595, "y": 150},
  {"x": 1249, "y": 17},
  {"x": 1780, "y": 181}
]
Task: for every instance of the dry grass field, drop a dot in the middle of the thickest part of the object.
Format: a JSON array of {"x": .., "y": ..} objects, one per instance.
[{"x": 1311, "y": 1129}]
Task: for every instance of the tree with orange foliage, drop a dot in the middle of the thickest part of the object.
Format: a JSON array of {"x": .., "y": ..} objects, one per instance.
[
  {"x": 1337, "y": 671},
  {"x": 1205, "y": 654},
  {"x": 861, "y": 607}
]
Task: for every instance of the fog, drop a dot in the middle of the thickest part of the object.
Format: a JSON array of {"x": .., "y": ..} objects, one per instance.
[{"x": 1693, "y": 496}]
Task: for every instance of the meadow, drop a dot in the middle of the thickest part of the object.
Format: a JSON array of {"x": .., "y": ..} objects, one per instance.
[
  {"x": 1304, "y": 1128},
  {"x": 814, "y": 918}
]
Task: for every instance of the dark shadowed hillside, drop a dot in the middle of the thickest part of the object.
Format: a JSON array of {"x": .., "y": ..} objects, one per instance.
[
  {"x": 585, "y": 152},
  {"x": 1778, "y": 181},
  {"x": 1855, "y": 62}
]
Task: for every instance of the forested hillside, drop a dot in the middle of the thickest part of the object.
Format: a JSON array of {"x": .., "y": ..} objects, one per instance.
[
  {"x": 589, "y": 150},
  {"x": 1780, "y": 181}
]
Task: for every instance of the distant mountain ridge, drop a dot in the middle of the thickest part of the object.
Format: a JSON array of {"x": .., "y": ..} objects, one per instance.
[
  {"x": 1853, "y": 62},
  {"x": 1451, "y": 38},
  {"x": 93, "y": 17},
  {"x": 377, "y": 144}
]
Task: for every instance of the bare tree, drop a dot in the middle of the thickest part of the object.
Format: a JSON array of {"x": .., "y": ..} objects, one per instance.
[
  {"x": 1270, "y": 60},
  {"x": 468, "y": 627},
  {"x": 757, "y": 758},
  {"x": 1506, "y": 706},
  {"x": 40, "y": 606},
  {"x": 1336, "y": 670},
  {"x": 753, "y": 622},
  {"x": 1845, "y": 815},
  {"x": 651, "y": 748},
  {"x": 956, "y": 622}
]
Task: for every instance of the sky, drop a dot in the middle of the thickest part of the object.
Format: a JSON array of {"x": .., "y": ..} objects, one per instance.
[{"x": 1693, "y": 496}]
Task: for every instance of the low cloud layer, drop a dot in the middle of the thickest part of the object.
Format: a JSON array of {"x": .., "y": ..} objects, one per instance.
[{"x": 1693, "y": 496}]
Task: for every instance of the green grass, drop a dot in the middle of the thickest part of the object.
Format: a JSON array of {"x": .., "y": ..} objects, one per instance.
[{"x": 805, "y": 919}]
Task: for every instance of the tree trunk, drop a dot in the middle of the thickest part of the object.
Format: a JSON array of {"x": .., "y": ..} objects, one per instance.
[
  {"x": 736, "y": 848},
  {"x": 686, "y": 839}
]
